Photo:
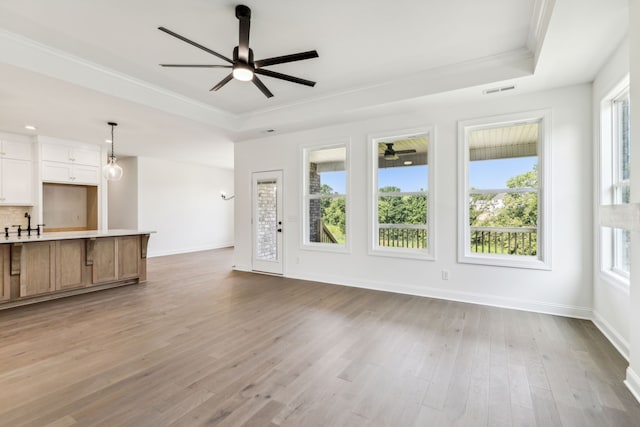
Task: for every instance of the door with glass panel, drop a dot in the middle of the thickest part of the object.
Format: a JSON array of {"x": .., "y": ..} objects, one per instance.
[{"x": 267, "y": 222}]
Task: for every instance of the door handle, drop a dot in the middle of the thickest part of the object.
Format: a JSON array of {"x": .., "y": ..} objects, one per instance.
[{"x": 279, "y": 230}]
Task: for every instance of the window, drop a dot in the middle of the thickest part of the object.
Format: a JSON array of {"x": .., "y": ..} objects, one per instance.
[
  {"x": 503, "y": 194},
  {"x": 325, "y": 197},
  {"x": 402, "y": 223},
  {"x": 615, "y": 187},
  {"x": 620, "y": 187}
]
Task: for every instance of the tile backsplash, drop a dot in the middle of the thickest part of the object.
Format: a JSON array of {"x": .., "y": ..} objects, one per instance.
[{"x": 10, "y": 215}]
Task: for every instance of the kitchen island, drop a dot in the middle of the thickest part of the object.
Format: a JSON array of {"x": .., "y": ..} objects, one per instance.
[{"x": 58, "y": 264}]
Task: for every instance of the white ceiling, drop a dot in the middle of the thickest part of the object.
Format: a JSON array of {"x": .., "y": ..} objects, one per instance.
[{"x": 69, "y": 66}]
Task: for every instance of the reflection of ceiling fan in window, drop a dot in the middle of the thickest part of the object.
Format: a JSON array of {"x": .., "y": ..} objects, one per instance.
[{"x": 391, "y": 154}]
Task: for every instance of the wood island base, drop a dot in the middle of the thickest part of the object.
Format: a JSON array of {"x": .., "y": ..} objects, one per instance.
[{"x": 57, "y": 265}]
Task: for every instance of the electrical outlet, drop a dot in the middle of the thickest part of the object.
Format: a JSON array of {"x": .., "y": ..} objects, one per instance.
[{"x": 445, "y": 274}]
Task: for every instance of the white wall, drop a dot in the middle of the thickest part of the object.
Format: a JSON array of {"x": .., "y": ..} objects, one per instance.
[
  {"x": 567, "y": 289},
  {"x": 182, "y": 203},
  {"x": 123, "y": 196},
  {"x": 610, "y": 302}
]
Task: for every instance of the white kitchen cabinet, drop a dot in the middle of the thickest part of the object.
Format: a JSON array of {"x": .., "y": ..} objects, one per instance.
[
  {"x": 17, "y": 182},
  {"x": 70, "y": 164},
  {"x": 15, "y": 150},
  {"x": 83, "y": 174},
  {"x": 70, "y": 154},
  {"x": 69, "y": 173},
  {"x": 85, "y": 157},
  {"x": 16, "y": 173}
]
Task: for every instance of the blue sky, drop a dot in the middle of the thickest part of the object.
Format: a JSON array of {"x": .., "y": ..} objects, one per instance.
[
  {"x": 489, "y": 174},
  {"x": 335, "y": 180},
  {"x": 482, "y": 174},
  {"x": 408, "y": 178}
]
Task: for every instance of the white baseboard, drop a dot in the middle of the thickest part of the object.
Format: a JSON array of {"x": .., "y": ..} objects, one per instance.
[
  {"x": 240, "y": 267},
  {"x": 611, "y": 334},
  {"x": 468, "y": 297},
  {"x": 153, "y": 254},
  {"x": 633, "y": 383}
]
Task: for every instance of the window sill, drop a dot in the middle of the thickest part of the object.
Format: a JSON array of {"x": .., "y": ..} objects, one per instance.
[
  {"x": 616, "y": 281},
  {"x": 326, "y": 247},
  {"x": 402, "y": 253},
  {"x": 513, "y": 261}
]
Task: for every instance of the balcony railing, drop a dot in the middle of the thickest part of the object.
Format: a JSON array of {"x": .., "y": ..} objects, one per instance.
[
  {"x": 487, "y": 240},
  {"x": 325, "y": 234},
  {"x": 506, "y": 240},
  {"x": 402, "y": 236}
]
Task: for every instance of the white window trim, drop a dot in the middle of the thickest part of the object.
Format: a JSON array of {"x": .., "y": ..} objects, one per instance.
[
  {"x": 607, "y": 168},
  {"x": 374, "y": 249},
  {"x": 543, "y": 260},
  {"x": 605, "y": 253},
  {"x": 305, "y": 244}
]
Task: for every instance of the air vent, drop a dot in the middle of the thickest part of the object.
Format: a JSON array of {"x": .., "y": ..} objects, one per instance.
[{"x": 499, "y": 89}]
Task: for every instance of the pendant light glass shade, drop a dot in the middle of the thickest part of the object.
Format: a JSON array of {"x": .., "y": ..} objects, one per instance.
[{"x": 112, "y": 170}]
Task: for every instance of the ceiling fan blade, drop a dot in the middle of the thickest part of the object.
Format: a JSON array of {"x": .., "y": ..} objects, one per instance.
[
  {"x": 195, "y": 66},
  {"x": 222, "y": 82},
  {"x": 261, "y": 86},
  {"x": 285, "y": 77},
  {"x": 243, "y": 13},
  {"x": 286, "y": 58},
  {"x": 192, "y": 43},
  {"x": 405, "y": 151}
]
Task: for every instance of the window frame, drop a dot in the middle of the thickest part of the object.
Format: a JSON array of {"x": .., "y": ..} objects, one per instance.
[
  {"x": 305, "y": 243},
  {"x": 395, "y": 252},
  {"x": 610, "y": 185},
  {"x": 542, "y": 261}
]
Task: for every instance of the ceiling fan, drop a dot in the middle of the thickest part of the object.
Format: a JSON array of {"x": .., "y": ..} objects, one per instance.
[
  {"x": 244, "y": 68},
  {"x": 391, "y": 154}
]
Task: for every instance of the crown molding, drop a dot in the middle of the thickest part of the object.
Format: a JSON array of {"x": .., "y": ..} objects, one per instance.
[
  {"x": 540, "y": 18},
  {"x": 349, "y": 104},
  {"x": 31, "y": 55},
  {"x": 26, "y": 53}
]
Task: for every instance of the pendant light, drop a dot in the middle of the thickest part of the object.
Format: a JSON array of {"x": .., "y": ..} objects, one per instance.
[{"x": 112, "y": 171}]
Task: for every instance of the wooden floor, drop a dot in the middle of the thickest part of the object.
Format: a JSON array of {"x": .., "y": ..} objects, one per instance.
[{"x": 199, "y": 344}]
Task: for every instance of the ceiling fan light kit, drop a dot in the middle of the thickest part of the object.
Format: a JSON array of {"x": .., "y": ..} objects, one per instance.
[
  {"x": 242, "y": 72},
  {"x": 243, "y": 67}
]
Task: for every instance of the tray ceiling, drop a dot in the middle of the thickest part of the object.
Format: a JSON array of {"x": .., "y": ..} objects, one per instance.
[{"x": 69, "y": 66}]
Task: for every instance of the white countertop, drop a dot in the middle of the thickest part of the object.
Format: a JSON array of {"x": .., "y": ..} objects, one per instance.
[{"x": 65, "y": 235}]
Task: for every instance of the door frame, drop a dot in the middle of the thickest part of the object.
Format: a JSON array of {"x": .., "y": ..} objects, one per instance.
[{"x": 267, "y": 266}]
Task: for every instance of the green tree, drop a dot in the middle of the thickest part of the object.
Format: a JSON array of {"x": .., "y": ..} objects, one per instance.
[
  {"x": 520, "y": 209},
  {"x": 389, "y": 207},
  {"x": 411, "y": 209},
  {"x": 334, "y": 214},
  {"x": 517, "y": 210}
]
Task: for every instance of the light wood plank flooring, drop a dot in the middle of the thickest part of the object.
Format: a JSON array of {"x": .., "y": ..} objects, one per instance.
[{"x": 199, "y": 344}]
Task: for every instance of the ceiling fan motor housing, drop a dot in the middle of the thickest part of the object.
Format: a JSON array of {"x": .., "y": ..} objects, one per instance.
[{"x": 236, "y": 59}]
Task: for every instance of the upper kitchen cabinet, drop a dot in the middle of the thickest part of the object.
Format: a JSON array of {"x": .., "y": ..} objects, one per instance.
[
  {"x": 70, "y": 164},
  {"x": 16, "y": 173}
]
